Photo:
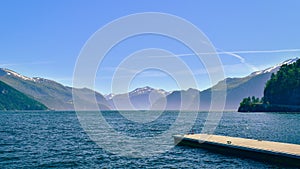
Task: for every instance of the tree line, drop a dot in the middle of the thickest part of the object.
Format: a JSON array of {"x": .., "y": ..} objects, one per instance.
[{"x": 281, "y": 91}]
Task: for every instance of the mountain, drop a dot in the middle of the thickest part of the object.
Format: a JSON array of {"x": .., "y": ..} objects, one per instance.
[
  {"x": 109, "y": 96},
  {"x": 275, "y": 68},
  {"x": 12, "y": 99},
  {"x": 281, "y": 93},
  {"x": 58, "y": 97},
  {"x": 52, "y": 94},
  {"x": 236, "y": 89},
  {"x": 180, "y": 100},
  {"x": 140, "y": 99},
  {"x": 284, "y": 87}
]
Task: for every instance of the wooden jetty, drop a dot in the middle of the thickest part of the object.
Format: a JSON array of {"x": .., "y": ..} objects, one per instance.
[{"x": 268, "y": 151}]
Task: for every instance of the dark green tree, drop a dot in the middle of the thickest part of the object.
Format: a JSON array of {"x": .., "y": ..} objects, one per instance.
[
  {"x": 281, "y": 93},
  {"x": 284, "y": 87}
]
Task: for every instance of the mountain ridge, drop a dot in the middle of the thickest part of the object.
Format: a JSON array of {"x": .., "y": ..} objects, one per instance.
[
  {"x": 281, "y": 92},
  {"x": 49, "y": 92},
  {"x": 59, "y": 97},
  {"x": 236, "y": 89},
  {"x": 139, "y": 98},
  {"x": 12, "y": 99}
]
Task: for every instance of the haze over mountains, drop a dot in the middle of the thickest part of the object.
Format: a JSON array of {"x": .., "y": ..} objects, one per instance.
[
  {"x": 12, "y": 99},
  {"x": 52, "y": 94},
  {"x": 140, "y": 98},
  {"x": 236, "y": 89},
  {"x": 59, "y": 97}
]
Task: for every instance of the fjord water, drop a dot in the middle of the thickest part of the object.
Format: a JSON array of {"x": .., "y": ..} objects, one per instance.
[{"x": 56, "y": 139}]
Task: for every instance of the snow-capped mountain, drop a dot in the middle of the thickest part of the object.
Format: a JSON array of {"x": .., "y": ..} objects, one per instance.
[
  {"x": 12, "y": 73},
  {"x": 109, "y": 96},
  {"x": 52, "y": 94},
  {"x": 276, "y": 67},
  {"x": 59, "y": 97},
  {"x": 140, "y": 98},
  {"x": 146, "y": 90},
  {"x": 236, "y": 89},
  {"x": 9, "y": 72}
]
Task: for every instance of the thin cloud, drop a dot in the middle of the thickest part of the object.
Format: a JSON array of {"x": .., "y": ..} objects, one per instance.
[
  {"x": 228, "y": 68},
  {"x": 243, "y": 52},
  {"x": 252, "y": 67},
  {"x": 26, "y": 63},
  {"x": 266, "y": 51},
  {"x": 235, "y": 54},
  {"x": 221, "y": 52}
]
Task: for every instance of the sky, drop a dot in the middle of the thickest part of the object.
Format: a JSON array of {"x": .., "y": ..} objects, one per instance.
[{"x": 44, "y": 38}]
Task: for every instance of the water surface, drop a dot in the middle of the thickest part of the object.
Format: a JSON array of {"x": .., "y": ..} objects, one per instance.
[{"x": 56, "y": 139}]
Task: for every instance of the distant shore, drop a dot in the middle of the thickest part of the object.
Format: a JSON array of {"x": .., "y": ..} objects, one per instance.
[{"x": 269, "y": 108}]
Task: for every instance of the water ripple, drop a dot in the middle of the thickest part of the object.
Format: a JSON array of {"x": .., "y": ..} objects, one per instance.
[{"x": 56, "y": 140}]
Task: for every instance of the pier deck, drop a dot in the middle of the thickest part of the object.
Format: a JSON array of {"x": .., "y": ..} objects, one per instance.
[{"x": 284, "y": 153}]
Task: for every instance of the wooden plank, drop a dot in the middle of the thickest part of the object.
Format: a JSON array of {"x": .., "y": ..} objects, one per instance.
[{"x": 283, "y": 153}]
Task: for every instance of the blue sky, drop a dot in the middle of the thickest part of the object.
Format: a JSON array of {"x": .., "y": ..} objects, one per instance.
[{"x": 44, "y": 38}]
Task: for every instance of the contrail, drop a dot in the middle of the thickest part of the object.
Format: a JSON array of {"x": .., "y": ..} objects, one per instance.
[
  {"x": 25, "y": 63},
  {"x": 267, "y": 51},
  {"x": 242, "y": 52},
  {"x": 233, "y": 53},
  {"x": 241, "y": 59},
  {"x": 236, "y": 54}
]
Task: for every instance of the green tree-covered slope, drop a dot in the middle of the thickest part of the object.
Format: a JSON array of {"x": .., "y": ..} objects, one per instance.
[
  {"x": 284, "y": 87},
  {"x": 12, "y": 99},
  {"x": 281, "y": 93}
]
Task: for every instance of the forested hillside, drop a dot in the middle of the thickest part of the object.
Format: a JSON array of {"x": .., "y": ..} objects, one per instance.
[
  {"x": 12, "y": 99},
  {"x": 281, "y": 93},
  {"x": 284, "y": 87}
]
